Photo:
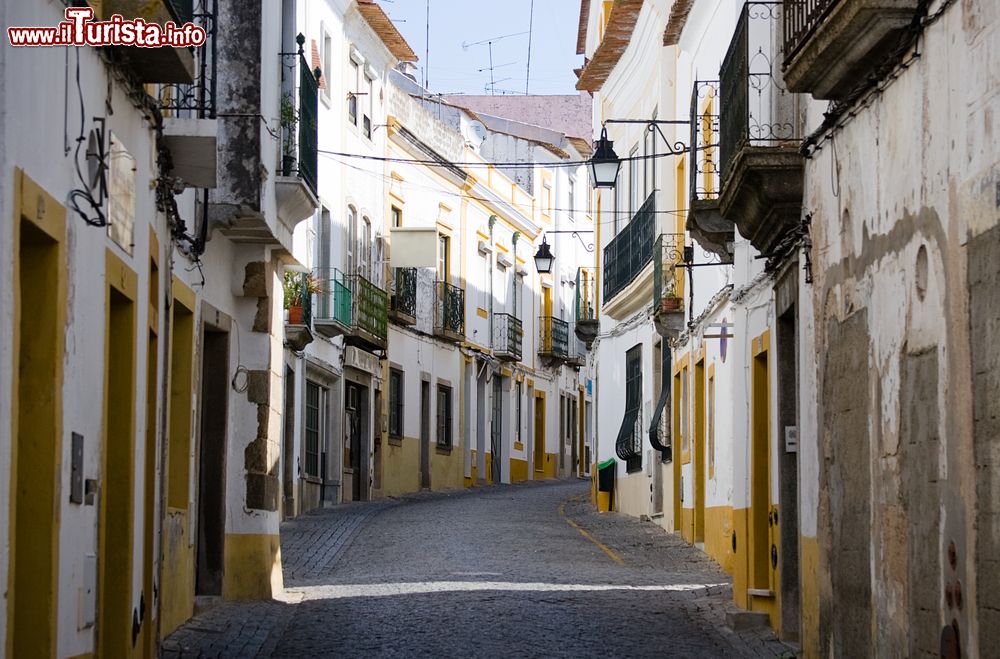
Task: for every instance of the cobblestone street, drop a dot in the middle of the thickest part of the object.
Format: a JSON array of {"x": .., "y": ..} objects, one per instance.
[{"x": 528, "y": 570}]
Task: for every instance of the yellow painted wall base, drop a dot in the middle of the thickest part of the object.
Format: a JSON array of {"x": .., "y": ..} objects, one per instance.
[
  {"x": 741, "y": 567},
  {"x": 177, "y": 591},
  {"x": 719, "y": 536},
  {"x": 488, "y": 475},
  {"x": 518, "y": 470},
  {"x": 549, "y": 468},
  {"x": 603, "y": 501},
  {"x": 687, "y": 525},
  {"x": 401, "y": 468},
  {"x": 809, "y": 595},
  {"x": 446, "y": 469},
  {"x": 252, "y": 567}
]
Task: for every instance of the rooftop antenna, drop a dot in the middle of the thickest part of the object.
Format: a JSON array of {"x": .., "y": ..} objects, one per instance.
[
  {"x": 427, "y": 43},
  {"x": 489, "y": 43},
  {"x": 531, "y": 22}
]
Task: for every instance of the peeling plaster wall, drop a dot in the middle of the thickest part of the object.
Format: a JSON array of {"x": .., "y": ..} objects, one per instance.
[{"x": 899, "y": 199}]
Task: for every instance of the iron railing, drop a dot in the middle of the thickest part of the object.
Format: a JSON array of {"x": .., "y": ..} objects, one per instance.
[
  {"x": 403, "y": 301},
  {"x": 198, "y": 98},
  {"x": 553, "y": 337},
  {"x": 631, "y": 250},
  {"x": 299, "y": 120},
  {"x": 757, "y": 109},
  {"x": 668, "y": 252},
  {"x": 577, "y": 353},
  {"x": 801, "y": 17},
  {"x": 586, "y": 295},
  {"x": 181, "y": 10},
  {"x": 508, "y": 336},
  {"x": 704, "y": 177},
  {"x": 371, "y": 308},
  {"x": 335, "y": 301},
  {"x": 303, "y": 301},
  {"x": 449, "y": 311},
  {"x": 628, "y": 443}
]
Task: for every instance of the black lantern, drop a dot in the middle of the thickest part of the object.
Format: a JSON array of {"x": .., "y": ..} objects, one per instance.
[
  {"x": 544, "y": 258},
  {"x": 604, "y": 164}
]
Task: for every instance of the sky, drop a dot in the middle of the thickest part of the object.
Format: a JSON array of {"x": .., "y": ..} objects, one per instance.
[{"x": 457, "y": 69}]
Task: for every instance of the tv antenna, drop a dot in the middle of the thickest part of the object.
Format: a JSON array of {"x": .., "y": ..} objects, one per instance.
[{"x": 489, "y": 44}]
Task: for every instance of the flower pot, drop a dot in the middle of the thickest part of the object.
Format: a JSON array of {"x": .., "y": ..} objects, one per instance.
[
  {"x": 671, "y": 304},
  {"x": 294, "y": 315},
  {"x": 287, "y": 165}
]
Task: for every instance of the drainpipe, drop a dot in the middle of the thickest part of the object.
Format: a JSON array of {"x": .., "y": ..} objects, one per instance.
[{"x": 492, "y": 221}]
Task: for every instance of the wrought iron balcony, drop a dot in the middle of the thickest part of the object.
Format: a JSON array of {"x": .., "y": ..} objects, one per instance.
[
  {"x": 334, "y": 314},
  {"x": 586, "y": 326},
  {"x": 352, "y": 306},
  {"x": 832, "y": 45},
  {"x": 760, "y": 133},
  {"x": 508, "y": 336},
  {"x": 154, "y": 65},
  {"x": 631, "y": 250},
  {"x": 299, "y": 125},
  {"x": 553, "y": 339},
  {"x": 704, "y": 220},
  {"x": 403, "y": 301},
  {"x": 195, "y": 100},
  {"x": 449, "y": 311},
  {"x": 577, "y": 353},
  {"x": 668, "y": 301}
]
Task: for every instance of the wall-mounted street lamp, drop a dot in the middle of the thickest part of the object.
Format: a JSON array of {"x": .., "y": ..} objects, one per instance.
[
  {"x": 544, "y": 257},
  {"x": 605, "y": 164}
]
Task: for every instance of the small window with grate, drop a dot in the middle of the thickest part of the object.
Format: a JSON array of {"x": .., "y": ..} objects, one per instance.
[
  {"x": 395, "y": 403},
  {"x": 628, "y": 445},
  {"x": 444, "y": 416}
]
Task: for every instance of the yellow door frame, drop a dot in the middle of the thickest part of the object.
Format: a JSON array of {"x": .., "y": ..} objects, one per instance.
[
  {"x": 698, "y": 464},
  {"x": 760, "y": 466},
  {"x": 36, "y": 395},
  {"x": 538, "y": 448},
  {"x": 149, "y": 476}
]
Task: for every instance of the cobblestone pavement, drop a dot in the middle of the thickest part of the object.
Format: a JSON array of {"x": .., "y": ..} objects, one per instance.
[{"x": 521, "y": 571}]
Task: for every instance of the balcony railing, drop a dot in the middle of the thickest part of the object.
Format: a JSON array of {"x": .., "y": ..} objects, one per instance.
[
  {"x": 586, "y": 294},
  {"x": 668, "y": 252},
  {"x": 756, "y": 108},
  {"x": 353, "y": 306},
  {"x": 299, "y": 121},
  {"x": 577, "y": 352},
  {"x": 553, "y": 338},
  {"x": 197, "y": 99},
  {"x": 449, "y": 311},
  {"x": 508, "y": 335},
  {"x": 403, "y": 301},
  {"x": 631, "y": 250},
  {"x": 334, "y": 303},
  {"x": 801, "y": 19},
  {"x": 371, "y": 311},
  {"x": 704, "y": 177}
]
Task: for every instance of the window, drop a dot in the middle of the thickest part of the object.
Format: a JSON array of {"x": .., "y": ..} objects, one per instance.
[
  {"x": 352, "y": 95},
  {"x": 395, "y": 403},
  {"x": 684, "y": 415},
  {"x": 315, "y": 396},
  {"x": 369, "y": 104},
  {"x": 365, "y": 249},
  {"x": 323, "y": 242},
  {"x": 628, "y": 445},
  {"x": 352, "y": 238},
  {"x": 396, "y": 215},
  {"x": 620, "y": 210},
  {"x": 633, "y": 181},
  {"x": 444, "y": 417},
  {"x": 444, "y": 258},
  {"x": 519, "y": 296},
  {"x": 485, "y": 293},
  {"x": 326, "y": 57},
  {"x": 547, "y": 199}
]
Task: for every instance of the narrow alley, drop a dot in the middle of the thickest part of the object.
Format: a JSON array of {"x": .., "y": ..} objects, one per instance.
[{"x": 417, "y": 576}]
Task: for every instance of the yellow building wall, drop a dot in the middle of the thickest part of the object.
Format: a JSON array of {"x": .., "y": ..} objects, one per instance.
[
  {"x": 252, "y": 567},
  {"x": 447, "y": 469},
  {"x": 719, "y": 529},
  {"x": 809, "y": 595},
  {"x": 177, "y": 592},
  {"x": 549, "y": 467},
  {"x": 741, "y": 561},
  {"x": 401, "y": 468},
  {"x": 518, "y": 470}
]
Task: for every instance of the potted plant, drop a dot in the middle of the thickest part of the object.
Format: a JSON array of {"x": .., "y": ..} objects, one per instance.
[
  {"x": 289, "y": 118},
  {"x": 297, "y": 286},
  {"x": 670, "y": 302}
]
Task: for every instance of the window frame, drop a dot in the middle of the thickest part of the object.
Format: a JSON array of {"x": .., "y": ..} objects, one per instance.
[
  {"x": 313, "y": 453},
  {"x": 445, "y": 417},
  {"x": 397, "y": 400}
]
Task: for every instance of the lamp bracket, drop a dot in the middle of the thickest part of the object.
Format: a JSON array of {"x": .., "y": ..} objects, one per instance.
[
  {"x": 576, "y": 234},
  {"x": 674, "y": 148}
]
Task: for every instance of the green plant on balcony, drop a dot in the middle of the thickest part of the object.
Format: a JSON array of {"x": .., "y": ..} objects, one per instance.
[
  {"x": 288, "y": 120},
  {"x": 670, "y": 301},
  {"x": 298, "y": 288}
]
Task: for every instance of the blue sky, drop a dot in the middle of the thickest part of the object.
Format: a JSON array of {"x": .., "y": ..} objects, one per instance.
[{"x": 454, "y": 69}]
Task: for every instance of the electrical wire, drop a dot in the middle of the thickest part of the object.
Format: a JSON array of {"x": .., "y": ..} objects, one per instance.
[{"x": 83, "y": 194}]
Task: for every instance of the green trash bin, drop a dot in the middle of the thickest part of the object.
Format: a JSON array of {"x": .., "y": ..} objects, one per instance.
[{"x": 605, "y": 483}]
